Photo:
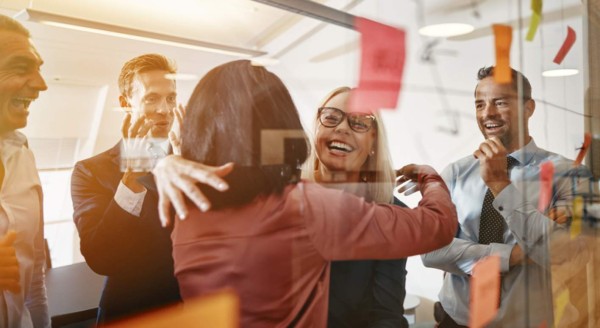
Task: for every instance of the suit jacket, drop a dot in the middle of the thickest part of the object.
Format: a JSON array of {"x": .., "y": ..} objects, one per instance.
[
  {"x": 367, "y": 293},
  {"x": 133, "y": 252}
]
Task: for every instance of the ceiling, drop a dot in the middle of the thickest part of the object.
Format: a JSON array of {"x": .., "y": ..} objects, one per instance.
[{"x": 78, "y": 111}]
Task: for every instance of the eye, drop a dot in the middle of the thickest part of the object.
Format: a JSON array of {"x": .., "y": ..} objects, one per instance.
[
  {"x": 501, "y": 103},
  {"x": 172, "y": 99},
  {"x": 479, "y": 106},
  {"x": 150, "y": 99},
  {"x": 21, "y": 68}
]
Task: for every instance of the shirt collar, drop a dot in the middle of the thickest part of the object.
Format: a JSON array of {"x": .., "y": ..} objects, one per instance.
[
  {"x": 11, "y": 142},
  {"x": 525, "y": 154},
  {"x": 13, "y": 138}
]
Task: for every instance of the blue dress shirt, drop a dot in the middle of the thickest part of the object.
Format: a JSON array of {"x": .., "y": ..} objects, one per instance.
[{"x": 526, "y": 294}]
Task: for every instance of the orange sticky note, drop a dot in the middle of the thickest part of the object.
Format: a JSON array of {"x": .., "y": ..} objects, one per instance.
[
  {"x": 502, "y": 39},
  {"x": 566, "y": 46},
  {"x": 485, "y": 291},
  {"x": 546, "y": 180},
  {"x": 536, "y": 17},
  {"x": 587, "y": 141},
  {"x": 220, "y": 309},
  {"x": 383, "y": 55}
]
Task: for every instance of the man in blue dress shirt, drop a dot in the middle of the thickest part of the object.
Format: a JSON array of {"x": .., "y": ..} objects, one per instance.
[{"x": 496, "y": 191}]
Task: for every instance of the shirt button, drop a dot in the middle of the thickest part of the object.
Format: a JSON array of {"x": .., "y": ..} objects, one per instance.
[{"x": 501, "y": 208}]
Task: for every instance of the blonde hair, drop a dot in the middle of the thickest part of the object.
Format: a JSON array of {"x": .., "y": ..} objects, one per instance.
[{"x": 376, "y": 171}]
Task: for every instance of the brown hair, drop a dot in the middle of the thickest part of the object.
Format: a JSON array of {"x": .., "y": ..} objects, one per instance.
[
  {"x": 141, "y": 64},
  {"x": 226, "y": 114},
  {"x": 485, "y": 72}
]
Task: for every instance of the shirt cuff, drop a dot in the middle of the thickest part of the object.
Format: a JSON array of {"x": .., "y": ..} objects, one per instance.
[
  {"x": 508, "y": 200},
  {"x": 503, "y": 251},
  {"x": 128, "y": 200}
]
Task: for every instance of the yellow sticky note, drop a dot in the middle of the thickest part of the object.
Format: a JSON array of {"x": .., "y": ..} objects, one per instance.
[
  {"x": 560, "y": 302},
  {"x": 536, "y": 17},
  {"x": 577, "y": 216}
]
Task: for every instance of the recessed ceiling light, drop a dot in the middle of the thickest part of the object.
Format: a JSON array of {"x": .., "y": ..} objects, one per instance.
[
  {"x": 560, "y": 72},
  {"x": 446, "y": 30},
  {"x": 181, "y": 76}
]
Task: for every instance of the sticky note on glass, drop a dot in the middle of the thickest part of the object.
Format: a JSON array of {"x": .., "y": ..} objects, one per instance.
[
  {"x": 502, "y": 40},
  {"x": 587, "y": 141},
  {"x": 485, "y": 291},
  {"x": 220, "y": 309},
  {"x": 577, "y": 216},
  {"x": 560, "y": 303},
  {"x": 536, "y": 17},
  {"x": 566, "y": 46},
  {"x": 383, "y": 54},
  {"x": 546, "y": 180}
]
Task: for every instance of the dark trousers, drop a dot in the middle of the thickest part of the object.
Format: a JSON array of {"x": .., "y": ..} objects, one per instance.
[{"x": 443, "y": 319}]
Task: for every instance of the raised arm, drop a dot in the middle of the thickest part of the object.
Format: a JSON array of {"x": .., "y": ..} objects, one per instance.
[{"x": 343, "y": 226}]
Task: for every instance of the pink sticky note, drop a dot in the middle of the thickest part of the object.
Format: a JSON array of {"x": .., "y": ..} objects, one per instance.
[
  {"x": 381, "y": 68},
  {"x": 587, "y": 140},
  {"x": 485, "y": 291},
  {"x": 566, "y": 46},
  {"x": 546, "y": 179}
]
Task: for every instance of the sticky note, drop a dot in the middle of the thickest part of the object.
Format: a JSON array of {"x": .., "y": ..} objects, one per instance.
[
  {"x": 577, "y": 216},
  {"x": 502, "y": 39},
  {"x": 219, "y": 309},
  {"x": 485, "y": 291},
  {"x": 566, "y": 46},
  {"x": 536, "y": 17},
  {"x": 546, "y": 180},
  {"x": 383, "y": 55},
  {"x": 560, "y": 302},
  {"x": 587, "y": 141}
]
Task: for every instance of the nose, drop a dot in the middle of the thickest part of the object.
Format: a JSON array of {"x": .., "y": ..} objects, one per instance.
[
  {"x": 490, "y": 109},
  {"x": 37, "y": 82},
  {"x": 163, "y": 107},
  {"x": 343, "y": 127}
]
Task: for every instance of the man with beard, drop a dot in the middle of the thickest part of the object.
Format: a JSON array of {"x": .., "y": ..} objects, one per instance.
[{"x": 496, "y": 191}]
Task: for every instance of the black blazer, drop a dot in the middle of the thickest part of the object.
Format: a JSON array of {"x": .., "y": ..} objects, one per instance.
[
  {"x": 133, "y": 252},
  {"x": 367, "y": 293}
]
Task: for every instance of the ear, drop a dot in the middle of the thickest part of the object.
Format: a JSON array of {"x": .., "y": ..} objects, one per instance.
[
  {"x": 123, "y": 102},
  {"x": 529, "y": 107}
]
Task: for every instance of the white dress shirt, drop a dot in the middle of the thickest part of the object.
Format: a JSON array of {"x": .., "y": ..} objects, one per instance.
[
  {"x": 21, "y": 211},
  {"x": 130, "y": 201}
]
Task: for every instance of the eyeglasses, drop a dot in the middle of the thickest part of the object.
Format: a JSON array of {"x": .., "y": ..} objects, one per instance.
[{"x": 359, "y": 122}]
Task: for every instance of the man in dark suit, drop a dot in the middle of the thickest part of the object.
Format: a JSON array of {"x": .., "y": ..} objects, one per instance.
[{"x": 121, "y": 235}]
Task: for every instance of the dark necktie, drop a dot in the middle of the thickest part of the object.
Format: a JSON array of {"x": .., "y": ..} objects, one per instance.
[{"x": 491, "y": 223}]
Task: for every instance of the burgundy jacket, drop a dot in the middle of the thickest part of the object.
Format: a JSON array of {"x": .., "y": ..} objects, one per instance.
[{"x": 275, "y": 251}]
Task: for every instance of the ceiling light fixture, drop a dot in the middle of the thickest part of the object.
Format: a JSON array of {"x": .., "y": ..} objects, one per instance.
[
  {"x": 561, "y": 72},
  {"x": 446, "y": 30},
  {"x": 132, "y": 34},
  {"x": 314, "y": 10}
]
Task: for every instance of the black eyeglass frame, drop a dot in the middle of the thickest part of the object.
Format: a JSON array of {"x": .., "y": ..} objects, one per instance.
[{"x": 348, "y": 117}]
